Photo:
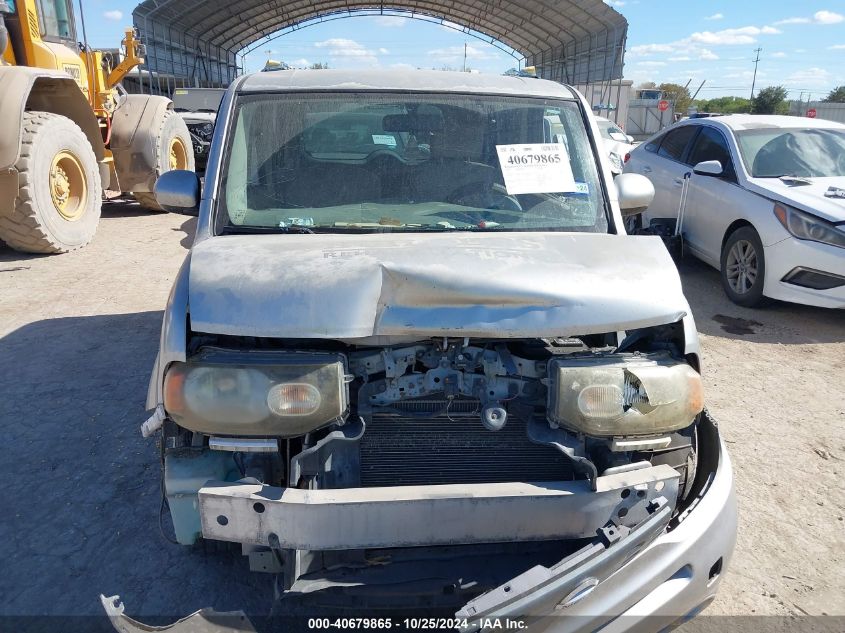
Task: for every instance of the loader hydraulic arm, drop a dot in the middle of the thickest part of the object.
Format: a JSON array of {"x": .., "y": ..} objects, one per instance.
[{"x": 133, "y": 57}]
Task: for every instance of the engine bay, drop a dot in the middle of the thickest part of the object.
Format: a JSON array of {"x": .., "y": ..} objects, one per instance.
[
  {"x": 441, "y": 412},
  {"x": 432, "y": 411}
]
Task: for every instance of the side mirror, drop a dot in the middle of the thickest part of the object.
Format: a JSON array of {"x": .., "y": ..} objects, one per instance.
[
  {"x": 178, "y": 191},
  {"x": 708, "y": 168},
  {"x": 635, "y": 193}
]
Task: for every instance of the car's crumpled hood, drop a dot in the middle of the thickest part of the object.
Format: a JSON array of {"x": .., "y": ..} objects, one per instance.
[
  {"x": 457, "y": 284},
  {"x": 808, "y": 198}
]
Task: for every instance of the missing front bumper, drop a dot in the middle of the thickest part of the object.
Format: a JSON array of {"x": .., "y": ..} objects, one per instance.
[{"x": 409, "y": 516}]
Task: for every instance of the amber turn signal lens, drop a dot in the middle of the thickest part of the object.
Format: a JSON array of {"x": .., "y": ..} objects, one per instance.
[{"x": 293, "y": 399}]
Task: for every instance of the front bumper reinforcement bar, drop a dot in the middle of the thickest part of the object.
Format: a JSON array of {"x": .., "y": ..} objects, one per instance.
[{"x": 407, "y": 516}]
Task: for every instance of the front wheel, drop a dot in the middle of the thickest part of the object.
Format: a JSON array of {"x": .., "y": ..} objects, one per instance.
[
  {"x": 173, "y": 151},
  {"x": 743, "y": 268},
  {"x": 57, "y": 208}
]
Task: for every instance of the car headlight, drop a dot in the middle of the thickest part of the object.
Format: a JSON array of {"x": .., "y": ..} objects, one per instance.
[
  {"x": 257, "y": 394},
  {"x": 621, "y": 395},
  {"x": 806, "y": 226}
]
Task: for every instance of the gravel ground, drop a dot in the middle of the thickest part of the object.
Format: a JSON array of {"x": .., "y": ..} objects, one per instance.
[{"x": 78, "y": 335}]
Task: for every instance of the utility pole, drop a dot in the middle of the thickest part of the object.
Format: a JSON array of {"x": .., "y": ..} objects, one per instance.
[
  {"x": 465, "y": 56},
  {"x": 754, "y": 80}
]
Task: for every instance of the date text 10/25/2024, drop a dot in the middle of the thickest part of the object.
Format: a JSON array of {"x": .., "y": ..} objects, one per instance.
[{"x": 414, "y": 624}]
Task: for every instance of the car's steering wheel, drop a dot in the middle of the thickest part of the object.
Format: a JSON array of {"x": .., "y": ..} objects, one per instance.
[{"x": 484, "y": 195}]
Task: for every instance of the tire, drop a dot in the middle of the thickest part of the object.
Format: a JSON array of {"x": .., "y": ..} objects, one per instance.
[
  {"x": 743, "y": 268},
  {"x": 171, "y": 131},
  {"x": 57, "y": 208}
]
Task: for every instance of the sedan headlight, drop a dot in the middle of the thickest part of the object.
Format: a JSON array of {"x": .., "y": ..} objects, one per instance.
[
  {"x": 621, "y": 395},
  {"x": 257, "y": 394},
  {"x": 806, "y": 226}
]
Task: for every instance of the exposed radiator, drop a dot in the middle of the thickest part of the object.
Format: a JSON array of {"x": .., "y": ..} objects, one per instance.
[{"x": 420, "y": 443}]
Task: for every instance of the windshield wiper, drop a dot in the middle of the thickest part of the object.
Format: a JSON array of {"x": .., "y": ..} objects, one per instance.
[
  {"x": 791, "y": 178},
  {"x": 445, "y": 228},
  {"x": 265, "y": 230}
]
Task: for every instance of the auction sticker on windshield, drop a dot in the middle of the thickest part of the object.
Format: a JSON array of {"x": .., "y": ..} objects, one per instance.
[
  {"x": 384, "y": 139},
  {"x": 536, "y": 168}
]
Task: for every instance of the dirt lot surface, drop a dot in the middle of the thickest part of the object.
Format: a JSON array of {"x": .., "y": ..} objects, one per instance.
[{"x": 78, "y": 335}]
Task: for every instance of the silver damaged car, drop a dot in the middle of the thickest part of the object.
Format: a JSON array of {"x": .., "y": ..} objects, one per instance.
[{"x": 415, "y": 367}]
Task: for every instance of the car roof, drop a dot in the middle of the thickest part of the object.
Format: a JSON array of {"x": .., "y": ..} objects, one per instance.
[
  {"x": 402, "y": 80},
  {"x": 739, "y": 122}
]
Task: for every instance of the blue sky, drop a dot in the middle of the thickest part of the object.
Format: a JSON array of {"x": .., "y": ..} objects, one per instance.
[{"x": 803, "y": 43}]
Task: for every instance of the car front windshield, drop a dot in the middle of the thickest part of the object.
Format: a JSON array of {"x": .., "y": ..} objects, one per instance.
[
  {"x": 197, "y": 99},
  {"x": 804, "y": 152},
  {"x": 380, "y": 162}
]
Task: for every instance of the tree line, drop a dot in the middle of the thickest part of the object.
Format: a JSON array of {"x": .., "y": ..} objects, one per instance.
[{"x": 769, "y": 100}]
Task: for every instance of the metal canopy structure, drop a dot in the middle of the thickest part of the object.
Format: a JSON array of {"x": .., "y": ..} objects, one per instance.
[{"x": 199, "y": 41}]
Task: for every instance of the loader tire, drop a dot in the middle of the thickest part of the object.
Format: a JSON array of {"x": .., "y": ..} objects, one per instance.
[
  {"x": 173, "y": 151},
  {"x": 57, "y": 208}
]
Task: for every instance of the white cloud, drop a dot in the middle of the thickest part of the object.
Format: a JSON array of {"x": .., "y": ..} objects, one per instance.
[
  {"x": 647, "y": 64},
  {"x": 800, "y": 50},
  {"x": 810, "y": 78},
  {"x": 715, "y": 16},
  {"x": 456, "y": 53},
  {"x": 793, "y": 21},
  {"x": 828, "y": 17},
  {"x": 695, "y": 45},
  {"x": 383, "y": 51},
  {"x": 682, "y": 58},
  {"x": 819, "y": 17},
  {"x": 391, "y": 21},
  {"x": 653, "y": 49},
  {"x": 615, "y": 3},
  {"x": 339, "y": 47},
  {"x": 113, "y": 15},
  {"x": 745, "y": 74},
  {"x": 727, "y": 37},
  {"x": 836, "y": 47},
  {"x": 778, "y": 55},
  {"x": 300, "y": 63}
]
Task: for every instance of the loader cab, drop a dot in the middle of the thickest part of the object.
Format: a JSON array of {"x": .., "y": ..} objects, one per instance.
[
  {"x": 56, "y": 22},
  {"x": 42, "y": 34}
]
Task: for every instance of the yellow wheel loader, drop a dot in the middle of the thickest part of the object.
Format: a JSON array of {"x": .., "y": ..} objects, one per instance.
[{"x": 69, "y": 132}]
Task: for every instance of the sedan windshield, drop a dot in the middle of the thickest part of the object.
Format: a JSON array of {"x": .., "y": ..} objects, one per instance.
[
  {"x": 807, "y": 152},
  {"x": 378, "y": 162}
]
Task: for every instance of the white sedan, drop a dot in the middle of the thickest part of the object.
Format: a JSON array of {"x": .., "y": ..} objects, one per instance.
[
  {"x": 764, "y": 203},
  {"x": 616, "y": 143}
]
